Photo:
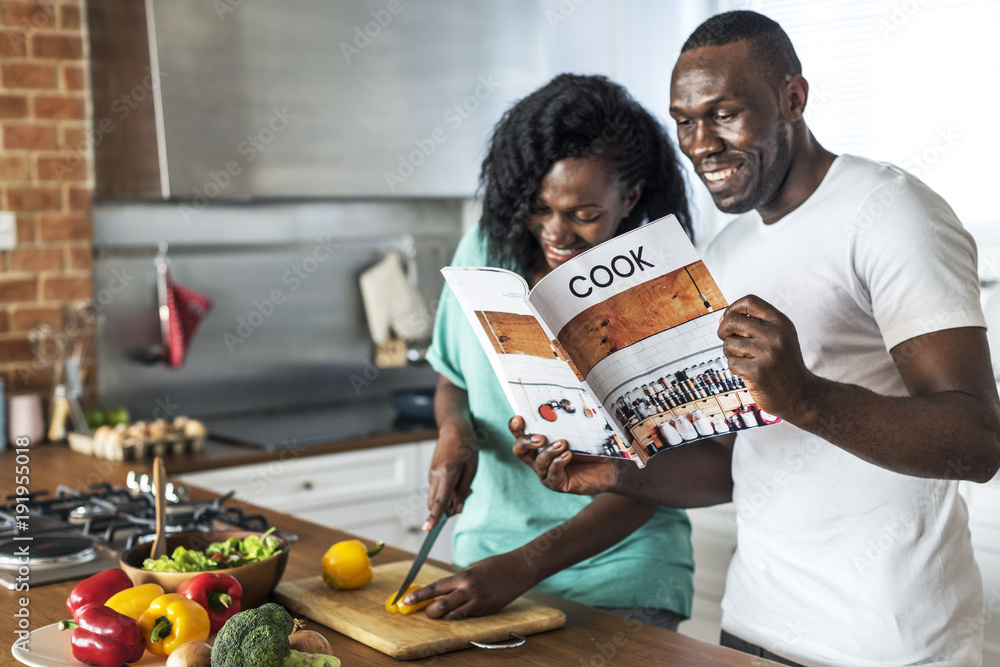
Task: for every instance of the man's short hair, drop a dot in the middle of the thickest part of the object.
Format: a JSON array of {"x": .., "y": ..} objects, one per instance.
[{"x": 768, "y": 43}]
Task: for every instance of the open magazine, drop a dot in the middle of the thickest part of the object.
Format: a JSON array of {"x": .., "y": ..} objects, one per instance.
[{"x": 614, "y": 351}]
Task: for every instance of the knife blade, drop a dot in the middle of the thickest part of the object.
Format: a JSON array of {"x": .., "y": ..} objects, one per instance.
[{"x": 418, "y": 562}]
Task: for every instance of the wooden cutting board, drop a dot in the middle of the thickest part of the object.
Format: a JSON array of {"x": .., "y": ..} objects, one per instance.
[{"x": 360, "y": 614}]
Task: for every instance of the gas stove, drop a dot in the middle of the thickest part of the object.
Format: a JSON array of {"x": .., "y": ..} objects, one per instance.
[{"x": 70, "y": 535}]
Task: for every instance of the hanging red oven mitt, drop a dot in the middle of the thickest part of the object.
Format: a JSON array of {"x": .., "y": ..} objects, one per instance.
[{"x": 186, "y": 310}]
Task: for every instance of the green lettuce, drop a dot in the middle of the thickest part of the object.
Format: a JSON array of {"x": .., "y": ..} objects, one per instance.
[{"x": 234, "y": 552}]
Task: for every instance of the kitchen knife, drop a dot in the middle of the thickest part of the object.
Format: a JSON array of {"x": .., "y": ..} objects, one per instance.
[{"x": 418, "y": 562}]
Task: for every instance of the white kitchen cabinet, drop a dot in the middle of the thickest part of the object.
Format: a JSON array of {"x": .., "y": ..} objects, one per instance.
[
  {"x": 713, "y": 536},
  {"x": 984, "y": 523},
  {"x": 378, "y": 493}
]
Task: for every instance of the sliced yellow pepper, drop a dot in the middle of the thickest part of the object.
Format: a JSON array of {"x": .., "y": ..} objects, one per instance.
[
  {"x": 347, "y": 564},
  {"x": 405, "y": 608},
  {"x": 133, "y": 601},
  {"x": 172, "y": 620}
]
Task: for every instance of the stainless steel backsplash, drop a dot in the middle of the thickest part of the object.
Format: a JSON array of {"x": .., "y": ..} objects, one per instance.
[{"x": 287, "y": 329}]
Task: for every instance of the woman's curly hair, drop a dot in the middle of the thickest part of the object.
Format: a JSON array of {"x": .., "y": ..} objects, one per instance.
[{"x": 574, "y": 116}]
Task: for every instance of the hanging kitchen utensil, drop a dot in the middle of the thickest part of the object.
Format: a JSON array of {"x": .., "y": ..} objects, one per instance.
[
  {"x": 408, "y": 249},
  {"x": 162, "y": 265},
  {"x": 396, "y": 308},
  {"x": 587, "y": 412},
  {"x": 181, "y": 310}
]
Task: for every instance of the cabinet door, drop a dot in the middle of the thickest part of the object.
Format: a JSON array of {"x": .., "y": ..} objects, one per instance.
[
  {"x": 713, "y": 537},
  {"x": 984, "y": 523},
  {"x": 304, "y": 482}
]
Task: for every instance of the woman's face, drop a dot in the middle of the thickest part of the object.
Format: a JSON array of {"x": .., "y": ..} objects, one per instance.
[{"x": 579, "y": 204}]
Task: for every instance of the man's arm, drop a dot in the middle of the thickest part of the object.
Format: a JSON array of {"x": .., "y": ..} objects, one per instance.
[
  {"x": 696, "y": 475},
  {"x": 948, "y": 427}
]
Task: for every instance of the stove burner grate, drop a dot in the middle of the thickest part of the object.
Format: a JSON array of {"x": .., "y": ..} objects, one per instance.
[{"x": 76, "y": 534}]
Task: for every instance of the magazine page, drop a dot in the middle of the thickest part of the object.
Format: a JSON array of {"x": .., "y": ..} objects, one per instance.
[
  {"x": 638, "y": 315},
  {"x": 539, "y": 382}
]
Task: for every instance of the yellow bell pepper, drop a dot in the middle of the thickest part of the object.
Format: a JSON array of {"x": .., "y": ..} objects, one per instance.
[
  {"x": 133, "y": 601},
  {"x": 348, "y": 564},
  {"x": 172, "y": 620},
  {"x": 405, "y": 608}
]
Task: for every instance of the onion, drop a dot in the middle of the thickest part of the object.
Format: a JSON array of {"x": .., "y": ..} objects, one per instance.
[
  {"x": 191, "y": 654},
  {"x": 308, "y": 641}
]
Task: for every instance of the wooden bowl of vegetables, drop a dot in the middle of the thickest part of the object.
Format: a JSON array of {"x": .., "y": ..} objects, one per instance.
[{"x": 256, "y": 560}]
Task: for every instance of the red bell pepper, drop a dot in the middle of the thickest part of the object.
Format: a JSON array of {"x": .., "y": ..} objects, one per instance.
[
  {"x": 103, "y": 637},
  {"x": 95, "y": 591},
  {"x": 219, "y": 593}
]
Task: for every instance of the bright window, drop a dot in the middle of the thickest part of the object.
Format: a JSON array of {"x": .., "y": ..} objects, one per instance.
[{"x": 913, "y": 82}]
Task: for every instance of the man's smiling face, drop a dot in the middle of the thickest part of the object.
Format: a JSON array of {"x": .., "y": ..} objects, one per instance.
[{"x": 730, "y": 125}]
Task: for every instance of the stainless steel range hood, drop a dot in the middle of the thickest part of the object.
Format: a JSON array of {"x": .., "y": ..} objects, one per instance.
[{"x": 201, "y": 101}]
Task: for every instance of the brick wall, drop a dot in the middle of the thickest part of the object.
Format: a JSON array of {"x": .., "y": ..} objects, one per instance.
[{"x": 45, "y": 176}]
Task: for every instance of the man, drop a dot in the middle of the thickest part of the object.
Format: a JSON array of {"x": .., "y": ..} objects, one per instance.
[{"x": 862, "y": 329}]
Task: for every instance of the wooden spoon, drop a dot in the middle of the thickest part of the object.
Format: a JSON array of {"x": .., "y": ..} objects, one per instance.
[{"x": 159, "y": 482}]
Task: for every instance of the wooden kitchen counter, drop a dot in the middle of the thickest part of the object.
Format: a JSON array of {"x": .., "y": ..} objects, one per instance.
[{"x": 590, "y": 637}]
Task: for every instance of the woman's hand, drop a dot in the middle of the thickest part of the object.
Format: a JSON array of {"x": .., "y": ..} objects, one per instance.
[
  {"x": 481, "y": 589},
  {"x": 453, "y": 467},
  {"x": 553, "y": 463}
]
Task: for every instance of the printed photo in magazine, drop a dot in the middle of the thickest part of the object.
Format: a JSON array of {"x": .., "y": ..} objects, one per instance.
[{"x": 616, "y": 350}]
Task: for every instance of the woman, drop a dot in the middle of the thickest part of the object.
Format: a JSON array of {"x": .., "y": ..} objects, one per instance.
[{"x": 570, "y": 166}]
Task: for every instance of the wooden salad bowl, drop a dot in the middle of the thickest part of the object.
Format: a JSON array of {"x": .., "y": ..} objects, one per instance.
[{"x": 257, "y": 579}]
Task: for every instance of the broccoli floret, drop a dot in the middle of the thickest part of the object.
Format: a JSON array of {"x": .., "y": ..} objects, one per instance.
[
  {"x": 254, "y": 637},
  {"x": 259, "y": 638},
  {"x": 275, "y": 614}
]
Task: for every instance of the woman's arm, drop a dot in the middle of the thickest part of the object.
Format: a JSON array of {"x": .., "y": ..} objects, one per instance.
[
  {"x": 456, "y": 454},
  {"x": 488, "y": 586}
]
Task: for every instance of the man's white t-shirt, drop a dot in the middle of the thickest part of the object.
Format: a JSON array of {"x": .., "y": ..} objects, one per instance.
[{"x": 841, "y": 562}]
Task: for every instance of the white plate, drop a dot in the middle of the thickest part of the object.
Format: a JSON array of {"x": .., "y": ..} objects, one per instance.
[{"x": 51, "y": 647}]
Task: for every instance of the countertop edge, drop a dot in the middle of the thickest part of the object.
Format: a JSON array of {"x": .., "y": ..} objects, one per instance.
[{"x": 216, "y": 454}]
